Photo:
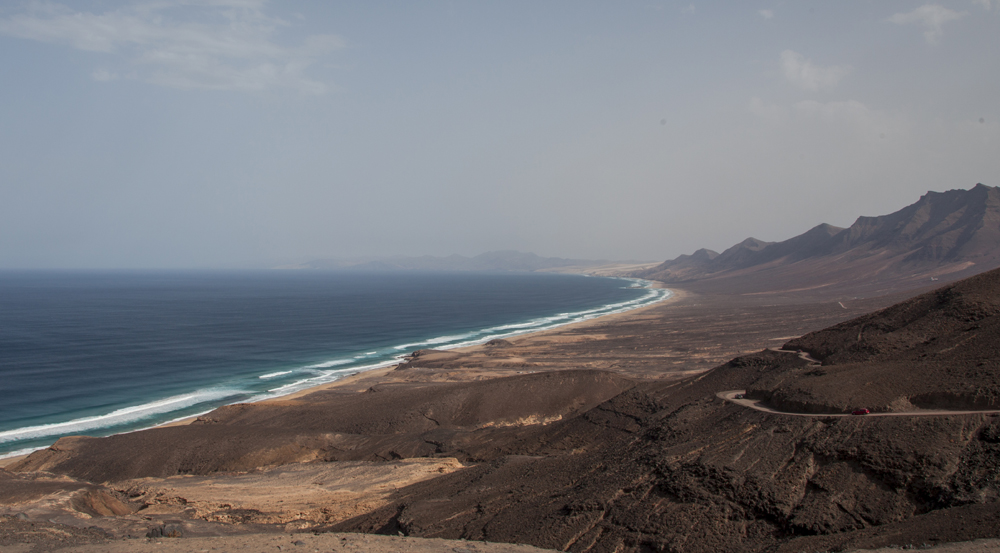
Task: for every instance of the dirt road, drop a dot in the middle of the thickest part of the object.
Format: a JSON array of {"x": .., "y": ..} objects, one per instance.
[{"x": 730, "y": 395}]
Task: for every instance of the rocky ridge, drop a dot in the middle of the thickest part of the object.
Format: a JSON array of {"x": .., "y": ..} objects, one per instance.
[{"x": 944, "y": 235}]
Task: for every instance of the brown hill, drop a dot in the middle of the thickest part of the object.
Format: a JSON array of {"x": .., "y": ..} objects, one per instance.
[
  {"x": 381, "y": 424},
  {"x": 684, "y": 267},
  {"x": 944, "y": 235},
  {"x": 937, "y": 350}
]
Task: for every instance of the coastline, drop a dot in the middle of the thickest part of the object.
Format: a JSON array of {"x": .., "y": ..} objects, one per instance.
[
  {"x": 372, "y": 377},
  {"x": 377, "y": 451},
  {"x": 381, "y": 374}
]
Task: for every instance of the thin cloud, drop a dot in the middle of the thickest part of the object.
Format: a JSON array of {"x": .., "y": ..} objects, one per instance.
[
  {"x": 228, "y": 45},
  {"x": 103, "y": 75},
  {"x": 802, "y": 73},
  {"x": 931, "y": 17},
  {"x": 986, "y": 4},
  {"x": 766, "y": 14}
]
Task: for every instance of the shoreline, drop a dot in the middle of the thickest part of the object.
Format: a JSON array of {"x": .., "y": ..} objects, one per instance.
[
  {"x": 444, "y": 437},
  {"x": 383, "y": 370}
]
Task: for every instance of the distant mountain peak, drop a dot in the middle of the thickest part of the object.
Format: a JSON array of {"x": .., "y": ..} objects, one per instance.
[
  {"x": 705, "y": 254},
  {"x": 824, "y": 228},
  {"x": 753, "y": 244}
]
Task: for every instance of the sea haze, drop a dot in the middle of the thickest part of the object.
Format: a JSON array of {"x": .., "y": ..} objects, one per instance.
[{"x": 100, "y": 353}]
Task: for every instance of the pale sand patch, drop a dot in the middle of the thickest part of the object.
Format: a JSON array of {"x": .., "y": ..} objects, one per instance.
[
  {"x": 608, "y": 270},
  {"x": 11, "y": 460},
  {"x": 976, "y": 546},
  {"x": 309, "y": 493},
  {"x": 306, "y": 543}
]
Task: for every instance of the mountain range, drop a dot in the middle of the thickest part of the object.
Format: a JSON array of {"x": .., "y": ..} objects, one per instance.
[{"x": 944, "y": 235}]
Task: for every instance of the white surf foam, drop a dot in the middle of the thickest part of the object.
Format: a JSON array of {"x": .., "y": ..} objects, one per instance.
[
  {"x": 328, "y": 364},
  {"x": 436, "y": 341},
  {"x": 547, "y": 323},
  {"x": 118, "y": 417},
  {"x": 544, "y": 323},
  {"x": 325, "y": 378},
  {"x": 274, "y": 375}
]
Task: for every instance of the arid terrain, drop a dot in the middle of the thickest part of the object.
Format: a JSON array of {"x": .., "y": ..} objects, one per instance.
[
  {"x": 551, "y": 417},
  {"x": 608, "y": 435},
  {"x": 336, "y": 453}
]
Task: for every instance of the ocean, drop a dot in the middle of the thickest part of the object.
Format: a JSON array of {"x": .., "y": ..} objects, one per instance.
[{"x": 99, "y": 353}]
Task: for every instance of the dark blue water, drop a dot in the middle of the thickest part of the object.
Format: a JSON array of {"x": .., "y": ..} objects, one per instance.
[{"x": 99, "y": 353}]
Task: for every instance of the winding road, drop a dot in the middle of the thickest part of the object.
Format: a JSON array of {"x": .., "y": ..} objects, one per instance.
[{"x": 730, "y": 395}]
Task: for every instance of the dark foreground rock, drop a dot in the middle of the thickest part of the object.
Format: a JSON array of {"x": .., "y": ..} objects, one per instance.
[
  {"x": 673, "y": 468},
  {"x": 939, "y": 350}
]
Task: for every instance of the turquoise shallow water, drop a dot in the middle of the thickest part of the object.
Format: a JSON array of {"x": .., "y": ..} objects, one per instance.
[{"x": 100, "y": 353}]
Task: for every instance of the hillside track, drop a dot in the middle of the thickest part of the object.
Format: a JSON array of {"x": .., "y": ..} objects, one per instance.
[{"x": 730, "y": 395}]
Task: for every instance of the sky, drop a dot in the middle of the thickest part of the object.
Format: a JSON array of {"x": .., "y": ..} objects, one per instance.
[{"x": 249, "y": 134}]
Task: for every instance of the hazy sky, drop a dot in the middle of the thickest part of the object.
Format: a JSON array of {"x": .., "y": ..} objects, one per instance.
[{"x": 245, "y": 133}]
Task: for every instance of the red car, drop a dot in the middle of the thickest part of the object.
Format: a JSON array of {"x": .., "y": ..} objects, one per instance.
[{"x": 860, "y": 412}]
